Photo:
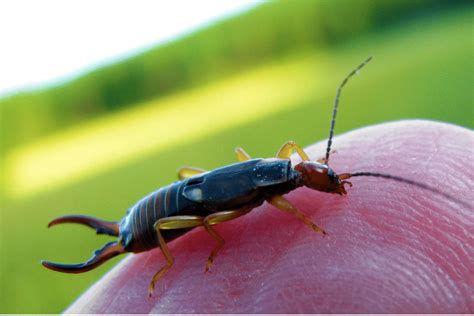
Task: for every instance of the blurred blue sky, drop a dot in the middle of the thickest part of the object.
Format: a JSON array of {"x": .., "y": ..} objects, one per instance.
[{"x": 48, "y": 41}]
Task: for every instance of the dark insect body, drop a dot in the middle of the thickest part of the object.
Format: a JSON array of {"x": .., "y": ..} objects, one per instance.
[
  {"x": 206, "y": 199},
  {"x": 234, "y": 186}
]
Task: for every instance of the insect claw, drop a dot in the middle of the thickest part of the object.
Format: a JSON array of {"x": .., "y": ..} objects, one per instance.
[
  {"x": 209, "y": 263},
  {"x": 100, "y": 256},
  {"x": 101, "y": 226},
  {"x": 151, "y": 289}
]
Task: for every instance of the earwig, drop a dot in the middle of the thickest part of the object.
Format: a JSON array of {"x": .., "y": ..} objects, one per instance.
[{"x": 207, "y": 198}]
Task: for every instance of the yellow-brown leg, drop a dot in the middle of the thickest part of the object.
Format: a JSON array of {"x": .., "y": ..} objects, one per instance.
[
  {"x": 241, "y": 154},
  {"x": 172, "y": 222},
  {"x": 220, "y": 244},
  {"x": 215, "y": 219},
  {"x": 287, "y": 149},
  {"x": 188, "y": 172},
  {"x": 323, "y": 160},
  {"x": 283, "y": 204}
]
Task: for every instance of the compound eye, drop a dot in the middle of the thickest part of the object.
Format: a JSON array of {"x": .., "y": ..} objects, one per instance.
[{"x": 332, "y": 176}]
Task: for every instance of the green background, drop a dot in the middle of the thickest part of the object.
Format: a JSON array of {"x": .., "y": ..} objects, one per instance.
[{"x": 423, "y": 68}]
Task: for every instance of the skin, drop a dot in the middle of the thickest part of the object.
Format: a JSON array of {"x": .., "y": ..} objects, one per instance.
[{"x": 390, "y": 247}]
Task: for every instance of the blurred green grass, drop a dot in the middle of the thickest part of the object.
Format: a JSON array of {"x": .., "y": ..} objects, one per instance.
[
  {"x": 422, "y": 69},
  {"x": 218, "y": 50}
]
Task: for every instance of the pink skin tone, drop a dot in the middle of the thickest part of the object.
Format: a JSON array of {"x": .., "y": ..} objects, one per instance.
[{"x": 390, "y": 247}]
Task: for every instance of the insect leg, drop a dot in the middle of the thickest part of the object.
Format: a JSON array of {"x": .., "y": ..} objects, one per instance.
[
  {"x": 241, "y": 154},
  {"x": 188, "y": 172},
  {"x": 215, "y": 219},
  {"x": 287, "y": 149},
  {"x": 173, "y": 222},
  {"x": 323, "y": 160},
  {"x": 283, "y": 204}
]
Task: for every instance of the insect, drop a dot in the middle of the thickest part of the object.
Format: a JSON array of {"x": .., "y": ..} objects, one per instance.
[{"x": 208, "y": 198}]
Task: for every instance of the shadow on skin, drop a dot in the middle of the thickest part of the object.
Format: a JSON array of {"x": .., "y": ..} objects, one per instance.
[{"x": 391, "y": 247}]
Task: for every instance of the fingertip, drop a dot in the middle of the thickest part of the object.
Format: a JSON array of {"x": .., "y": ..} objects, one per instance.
[{"x": 382, "y": 237}]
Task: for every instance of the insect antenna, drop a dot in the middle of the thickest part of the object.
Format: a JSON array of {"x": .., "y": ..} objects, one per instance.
[
  {"x": 407, "y": 181},
  {"x": 336, "y": 103}
]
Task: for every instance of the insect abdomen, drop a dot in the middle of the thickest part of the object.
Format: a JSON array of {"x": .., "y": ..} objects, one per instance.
[{"x": 137, "y": 228}]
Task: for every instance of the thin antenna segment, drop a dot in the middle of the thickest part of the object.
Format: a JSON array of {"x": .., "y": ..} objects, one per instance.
[
  {"x": 336, "y": 103},
  {"x": 411, "y": 182}
]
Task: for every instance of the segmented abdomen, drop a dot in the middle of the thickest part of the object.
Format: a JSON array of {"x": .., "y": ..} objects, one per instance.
[{"x": 137, "y": 228}]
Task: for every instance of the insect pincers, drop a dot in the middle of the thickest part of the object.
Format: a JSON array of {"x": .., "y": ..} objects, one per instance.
[{"x": 207, "y": 198}]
